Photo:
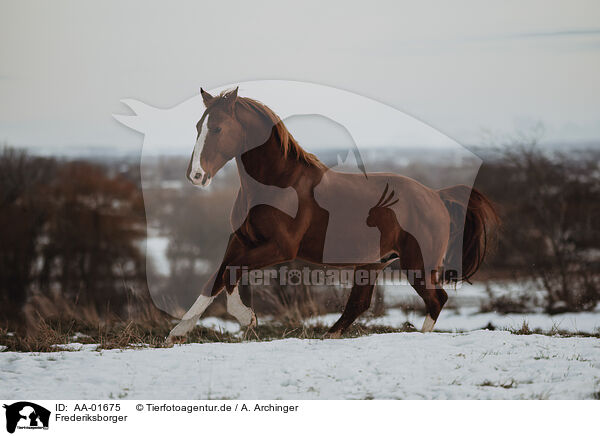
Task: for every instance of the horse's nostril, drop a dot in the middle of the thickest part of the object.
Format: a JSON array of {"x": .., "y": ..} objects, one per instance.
[{"x": 197, "y": 176}]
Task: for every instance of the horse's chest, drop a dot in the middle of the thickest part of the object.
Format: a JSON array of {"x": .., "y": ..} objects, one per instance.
[{"x": 255, "y": 194}]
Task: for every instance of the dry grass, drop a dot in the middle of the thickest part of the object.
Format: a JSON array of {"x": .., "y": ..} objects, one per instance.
[
  {"x": 52, "y": 333},
  {"x": 133, "y": 335},
  {"x": 52, "y": 324},
  {"x": 512, "y": 383},
  {"x": 554, "y": 331}
]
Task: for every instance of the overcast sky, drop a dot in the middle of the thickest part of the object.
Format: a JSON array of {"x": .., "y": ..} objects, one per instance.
[{"x": 462, "y": 67}]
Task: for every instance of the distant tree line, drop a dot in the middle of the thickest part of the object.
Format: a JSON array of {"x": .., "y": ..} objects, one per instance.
[
  {"x": 68, "y": 229},
  {"x": 74, "y": 230}
]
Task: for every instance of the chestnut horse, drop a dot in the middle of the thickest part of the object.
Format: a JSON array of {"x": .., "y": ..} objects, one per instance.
[{"x": 290, "y": 205}]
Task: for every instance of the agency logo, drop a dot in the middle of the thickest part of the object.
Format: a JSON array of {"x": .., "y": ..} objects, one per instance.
[{"x": 26, "y": 415}]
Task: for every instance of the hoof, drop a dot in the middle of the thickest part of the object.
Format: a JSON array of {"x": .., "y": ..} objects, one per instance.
[
  {"x": 172, "y": 340},
  {"x": 248, "y": 323},
  {"x": 333, "y": 335},
  {"x": 253, "y": 321}
]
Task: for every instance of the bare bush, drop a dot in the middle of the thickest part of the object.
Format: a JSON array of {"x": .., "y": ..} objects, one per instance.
[
  {"x": 69, "y": 230},
  {"x": 550, "y": 205}
]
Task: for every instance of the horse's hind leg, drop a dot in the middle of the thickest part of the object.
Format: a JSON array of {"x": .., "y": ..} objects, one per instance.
[
  {"x": 427, "y": 287},
  {"x": 434, "y": 302},
  {"x": 358, "y": 302},
  {"x": 434, "y": 297}
]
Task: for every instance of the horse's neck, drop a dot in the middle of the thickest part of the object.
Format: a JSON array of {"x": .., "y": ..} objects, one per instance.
[
  {"x": 255, "y": 192},
  {"x": 267, "y": 165}
]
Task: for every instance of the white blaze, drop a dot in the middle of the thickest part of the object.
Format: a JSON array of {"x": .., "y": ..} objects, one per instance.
[{"x": 196, "y": 168}]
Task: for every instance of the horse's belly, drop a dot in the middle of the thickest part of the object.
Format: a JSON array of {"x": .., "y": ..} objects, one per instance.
[
  {"x": 349, "y": 199},
  {"x": 348, "y": 239}
]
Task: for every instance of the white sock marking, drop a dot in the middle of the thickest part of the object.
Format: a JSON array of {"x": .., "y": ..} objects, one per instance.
[
  {"x": 191, "y": 316},
  {"x": 238, "y": 309},
  {"x": 428, "y": 324}
]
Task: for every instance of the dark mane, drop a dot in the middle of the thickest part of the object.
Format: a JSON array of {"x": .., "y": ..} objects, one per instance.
[{"x": 289, "y": 145}]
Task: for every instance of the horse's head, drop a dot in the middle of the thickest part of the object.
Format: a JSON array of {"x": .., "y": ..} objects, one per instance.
[
  {"x": 220, "y": 137},
  {"x": 381, "y": 211}
]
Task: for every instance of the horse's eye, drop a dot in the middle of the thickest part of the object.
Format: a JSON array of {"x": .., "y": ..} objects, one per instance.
[{"x": 215, "y": 129}]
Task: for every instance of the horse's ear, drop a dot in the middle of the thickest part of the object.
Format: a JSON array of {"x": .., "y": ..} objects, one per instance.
[
  {"x": 230, "y": 98},
  {"x": 206, "y": 97}
]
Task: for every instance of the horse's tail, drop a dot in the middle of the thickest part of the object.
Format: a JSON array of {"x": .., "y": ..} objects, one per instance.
[{"x": 470, "y": 207}]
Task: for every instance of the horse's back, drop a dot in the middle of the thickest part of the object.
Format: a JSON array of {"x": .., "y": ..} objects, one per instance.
[
  {"x": 359, "y": 193},
  {"x": 349, "y": 198}
]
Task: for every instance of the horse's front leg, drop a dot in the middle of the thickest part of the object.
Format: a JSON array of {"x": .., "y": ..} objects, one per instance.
[
  {"x": 190, "y": 318},
  {"x": 236, "y": 307},
  {"x": 281, "y": 245},
  {"x": 242, "y": 256},
  {"x": 267, "y": 254},
  {"x": 211, "y": 289},
  {"x": 238, "y": 255}
]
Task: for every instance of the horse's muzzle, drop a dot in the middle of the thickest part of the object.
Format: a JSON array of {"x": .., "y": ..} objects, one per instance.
[{"x": 201, "y": 179}]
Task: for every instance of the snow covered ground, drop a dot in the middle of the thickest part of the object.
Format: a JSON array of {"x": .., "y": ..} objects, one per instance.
[
  {"x": 461, "y": 314},
  {"x": 469, "y": 363},
  {"x": 479, "y": 364},
  {"x": 469, "y": 319},
  {"x": 462, "y": 320}
]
